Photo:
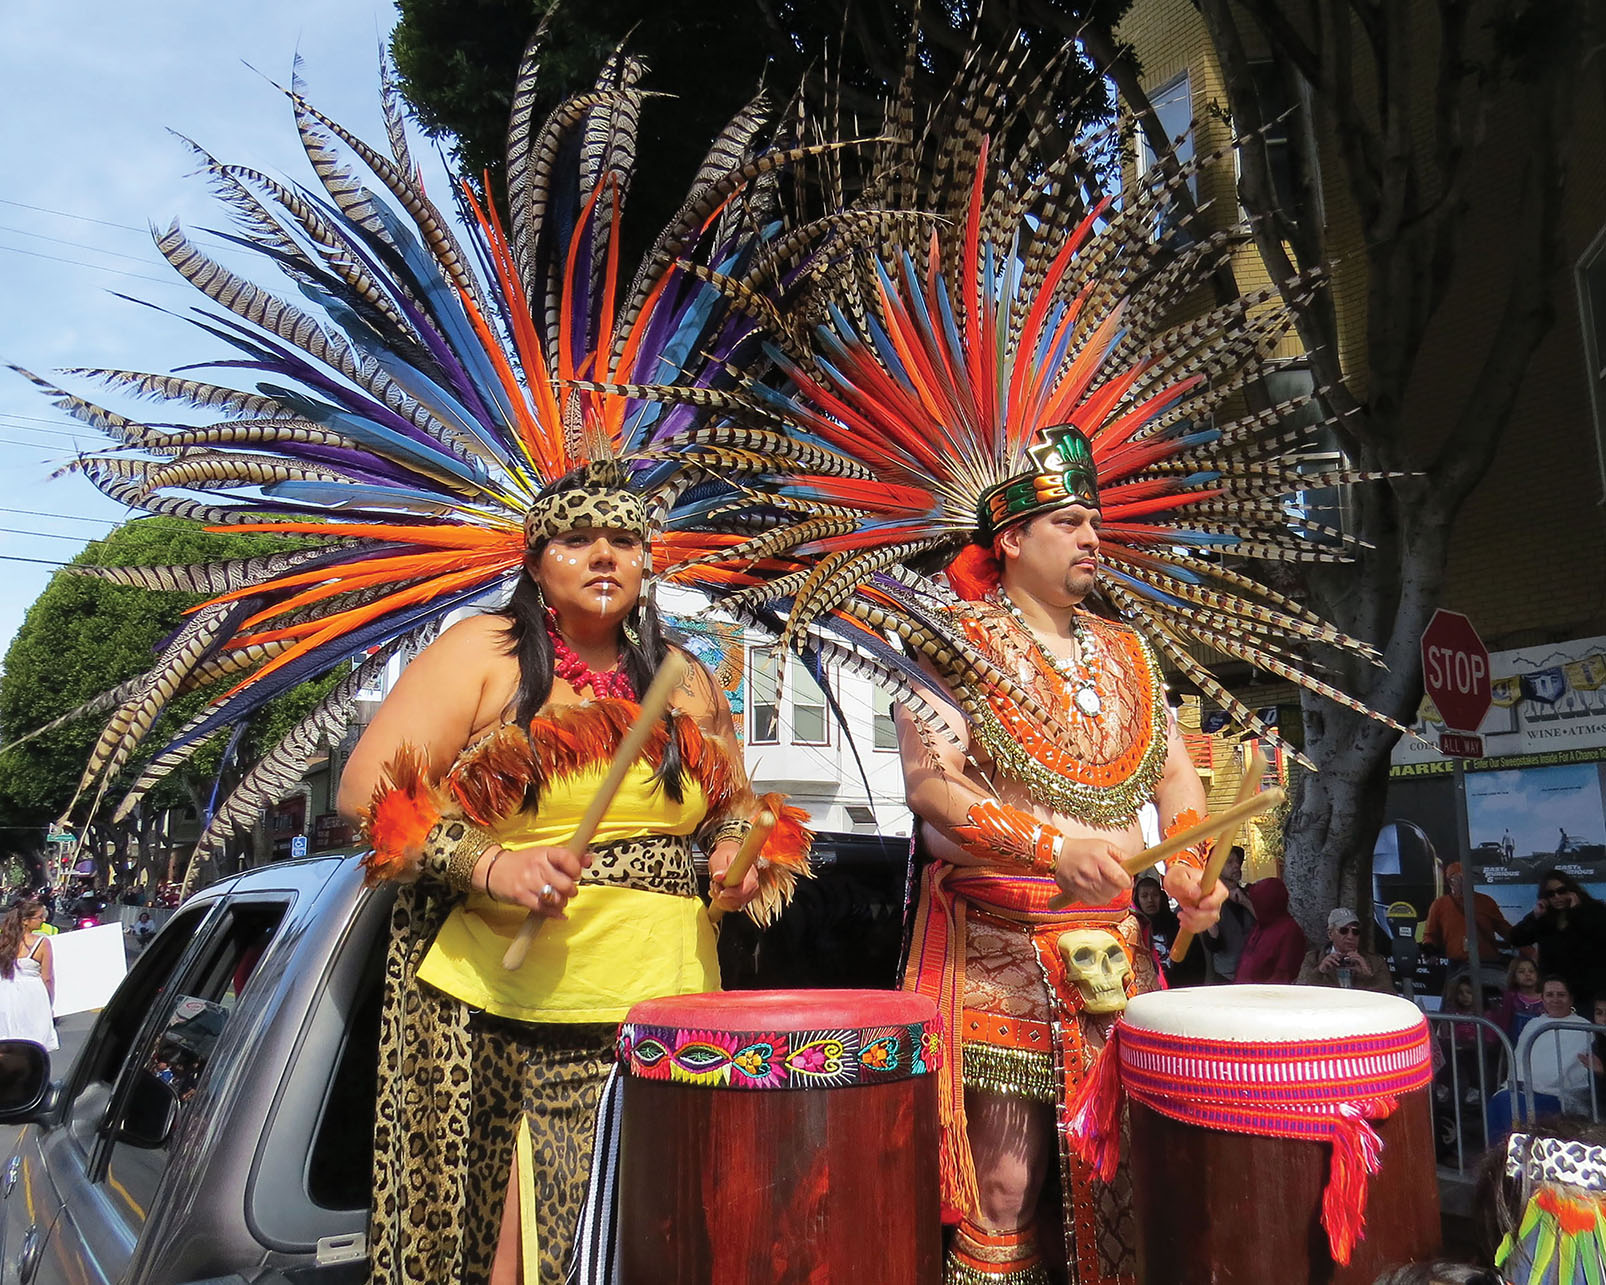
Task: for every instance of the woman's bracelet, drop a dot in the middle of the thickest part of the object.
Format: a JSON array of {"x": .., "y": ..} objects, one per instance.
[
  {"x": 495, "y": 857},
  {"x": 451, "y": 851},
  {"x": 731, "y": 828}
]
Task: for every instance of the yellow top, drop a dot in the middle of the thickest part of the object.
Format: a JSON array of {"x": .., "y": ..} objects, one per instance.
[{"x": 616, "y": 947}]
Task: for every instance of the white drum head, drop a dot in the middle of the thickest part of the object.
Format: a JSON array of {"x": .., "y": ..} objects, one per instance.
[{"x": 1270, "y": 1014}]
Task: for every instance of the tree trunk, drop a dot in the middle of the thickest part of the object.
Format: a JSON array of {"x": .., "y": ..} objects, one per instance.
[{"x": 1411, "y": 199}]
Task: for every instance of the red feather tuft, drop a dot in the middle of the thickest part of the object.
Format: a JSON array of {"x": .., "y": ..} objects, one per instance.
[
  {"x": 791, "y": 840},
  {"x": 975, "y": 573}
]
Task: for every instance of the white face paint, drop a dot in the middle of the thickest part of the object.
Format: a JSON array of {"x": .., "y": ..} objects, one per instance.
[{"x": 577, "y": 553}]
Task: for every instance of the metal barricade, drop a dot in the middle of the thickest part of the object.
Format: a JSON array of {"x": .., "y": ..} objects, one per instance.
[
  {"x": 1564, "y": 1043},
  {"x": 1458, "y": 1107}
]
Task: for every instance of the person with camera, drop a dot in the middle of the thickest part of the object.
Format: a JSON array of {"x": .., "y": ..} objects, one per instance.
[{"x": 1342, "y": 962}]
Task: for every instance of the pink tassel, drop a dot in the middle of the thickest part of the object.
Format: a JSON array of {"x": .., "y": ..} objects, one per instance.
[
  {"x": 1357, "y": 1153},
  {"x": 1095, "y": 1110}
]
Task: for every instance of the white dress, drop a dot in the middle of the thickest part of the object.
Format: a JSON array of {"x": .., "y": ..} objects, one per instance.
[{"x": 25, "y": 1004}]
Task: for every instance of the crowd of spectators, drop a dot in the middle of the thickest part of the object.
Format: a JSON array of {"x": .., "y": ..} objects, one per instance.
[{"x": 1568, "y": 927}]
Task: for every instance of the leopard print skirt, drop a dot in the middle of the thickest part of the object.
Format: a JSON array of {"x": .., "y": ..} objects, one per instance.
[{"x": 453, "y": 1086}]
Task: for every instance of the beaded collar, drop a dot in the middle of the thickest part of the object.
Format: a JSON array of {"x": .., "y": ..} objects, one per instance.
[
  {"x": 1081, "y": 676},
  {"x": 567, "y": 665}
]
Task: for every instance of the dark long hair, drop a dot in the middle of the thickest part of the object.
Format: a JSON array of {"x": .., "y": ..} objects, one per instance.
[
  {"x": 528, "y": 641},
  {"x": 12, "y": 930},
  {"x": 1566, "y": 881}
]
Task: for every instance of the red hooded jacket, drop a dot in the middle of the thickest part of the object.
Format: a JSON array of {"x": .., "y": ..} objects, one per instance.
[{"x": 1276, "y": 949}]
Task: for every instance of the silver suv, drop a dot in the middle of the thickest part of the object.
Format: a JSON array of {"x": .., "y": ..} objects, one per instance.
[{"x": 218, "y": 1124}]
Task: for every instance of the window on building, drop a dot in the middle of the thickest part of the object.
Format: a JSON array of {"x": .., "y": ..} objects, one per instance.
[
  {"x": 862, "y": 818},
  {"x": 1283, "y": 98},
  {"x": 764, "y": 687},
  {"x": 886, "y": 733},
  {"x": 1591, "y": 282},
  {"x": 1173, "y": 107},
  {"x": 808, "y": 706}
]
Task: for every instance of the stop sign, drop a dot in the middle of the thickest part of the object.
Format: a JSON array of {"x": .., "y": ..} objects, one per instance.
[{"x": 1455, "y": 670}]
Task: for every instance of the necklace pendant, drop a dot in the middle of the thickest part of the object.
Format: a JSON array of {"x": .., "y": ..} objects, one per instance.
[{"x": 1087, "y": 700}]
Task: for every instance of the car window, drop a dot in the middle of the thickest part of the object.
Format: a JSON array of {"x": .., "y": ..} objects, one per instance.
[
  {"x": 195, "y": 1009},
  {"x": 340, "y": 1169},
  {"x": 119, "y": 1024}
]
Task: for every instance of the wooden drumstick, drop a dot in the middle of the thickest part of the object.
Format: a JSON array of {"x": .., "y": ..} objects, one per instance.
[
  {"x": 1236, "y": 815},
  {"x": 670, "y": 676},
  {"x": 746, "y": 855},
  {"x": 1253, "y": 772}
]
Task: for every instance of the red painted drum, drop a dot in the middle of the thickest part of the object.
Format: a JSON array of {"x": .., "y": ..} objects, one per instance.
[
  {"x": 1278, "y": 1133},
  {"x": 779, "y": 1136}
]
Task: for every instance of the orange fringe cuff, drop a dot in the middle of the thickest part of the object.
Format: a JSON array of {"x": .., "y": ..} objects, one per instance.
[
  {"x": 404, "y": 809},
  {"x": 996, "y": 832},
  {"x": 1199, "y": 853},
  {"x": 785, "y": 860}
]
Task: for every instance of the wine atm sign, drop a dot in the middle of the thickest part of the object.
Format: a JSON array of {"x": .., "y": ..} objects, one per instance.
[{"x": 1455, "y": 672}]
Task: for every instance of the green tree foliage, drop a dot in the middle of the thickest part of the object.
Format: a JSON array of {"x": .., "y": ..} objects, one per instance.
[
  {"x": 457, "y": 63},
  {"x": 82, "y": 637}
]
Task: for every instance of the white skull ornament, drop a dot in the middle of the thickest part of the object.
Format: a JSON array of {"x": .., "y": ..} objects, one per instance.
[{"x": 1098, "y": 965}]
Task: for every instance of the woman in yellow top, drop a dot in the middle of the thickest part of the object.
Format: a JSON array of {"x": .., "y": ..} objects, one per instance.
[{"x": 486, "y": 1072}]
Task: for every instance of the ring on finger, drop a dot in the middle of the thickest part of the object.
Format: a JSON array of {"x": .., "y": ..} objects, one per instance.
[{"x": 548, "y": 892}]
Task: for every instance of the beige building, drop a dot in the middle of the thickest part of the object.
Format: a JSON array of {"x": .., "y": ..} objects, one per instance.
[{"x": 1526, "y": 555}]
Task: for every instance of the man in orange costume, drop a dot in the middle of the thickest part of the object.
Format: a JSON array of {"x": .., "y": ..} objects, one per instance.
[{"x": 1015, "y": 810}]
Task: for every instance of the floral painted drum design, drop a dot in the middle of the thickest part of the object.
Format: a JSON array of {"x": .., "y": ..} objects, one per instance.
[{"x": 825, "y": 1039}]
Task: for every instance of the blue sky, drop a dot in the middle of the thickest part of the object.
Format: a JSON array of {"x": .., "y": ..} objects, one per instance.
[{"x": 86, "y": 164}]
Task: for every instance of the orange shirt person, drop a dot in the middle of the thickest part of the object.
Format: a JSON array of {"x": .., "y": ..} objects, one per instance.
[{"x": 1446, "y": 928}]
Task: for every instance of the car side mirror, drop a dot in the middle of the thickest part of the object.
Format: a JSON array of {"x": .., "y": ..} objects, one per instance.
[
  {"x": 24, "y": 1080},
  {"x": 150, "y": 1113}
]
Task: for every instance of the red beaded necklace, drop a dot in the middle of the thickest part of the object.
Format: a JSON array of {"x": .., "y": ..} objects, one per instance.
[{"x": 567, "y": 665}]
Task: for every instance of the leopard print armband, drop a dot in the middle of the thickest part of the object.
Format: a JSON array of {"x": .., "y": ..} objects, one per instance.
[
  {"x": 996, "y": 832},
  {"x": 451, "y": 851},
  {"x": 730, "y": 828},
  {"x": 1197, "y": 855}
]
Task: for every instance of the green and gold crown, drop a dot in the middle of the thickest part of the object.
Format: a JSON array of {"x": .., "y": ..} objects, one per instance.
[{"x": 1065, "y": 474}]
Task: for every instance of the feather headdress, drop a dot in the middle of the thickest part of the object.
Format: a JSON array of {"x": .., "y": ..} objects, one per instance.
[
  {"x": 1017, "y": 351},
  {"x": 1556, "y": 1233},
  {"x": 434, "y": 375}
]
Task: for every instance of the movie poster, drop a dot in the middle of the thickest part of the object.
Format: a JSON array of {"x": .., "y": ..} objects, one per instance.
[
  {"x": 1521, "y": 822},
  {"x": 1526, "y": 821}
]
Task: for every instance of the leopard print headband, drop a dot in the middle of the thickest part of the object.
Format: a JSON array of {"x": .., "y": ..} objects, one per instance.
[
  {"x": 1560, "y": 1160},
  {"x": 606, "y": 508}
]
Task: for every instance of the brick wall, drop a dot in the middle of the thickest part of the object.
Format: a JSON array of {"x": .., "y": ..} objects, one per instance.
[{"x": 1526, "y": 558}]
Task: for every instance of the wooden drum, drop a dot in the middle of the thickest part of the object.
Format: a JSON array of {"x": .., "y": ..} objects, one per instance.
[
  {"x": 779, "y": 1136},
  {"x": 1278, "y": 1133}
]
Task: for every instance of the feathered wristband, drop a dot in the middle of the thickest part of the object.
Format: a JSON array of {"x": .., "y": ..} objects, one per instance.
[
  {"x": 996, "y": 832},
  {"x": 1196, "y": 856},
  {"x": 397, "y": 823}
]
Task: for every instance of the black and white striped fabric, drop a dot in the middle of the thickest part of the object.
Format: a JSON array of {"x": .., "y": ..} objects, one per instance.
[{"x": 596, "y": 1244}]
